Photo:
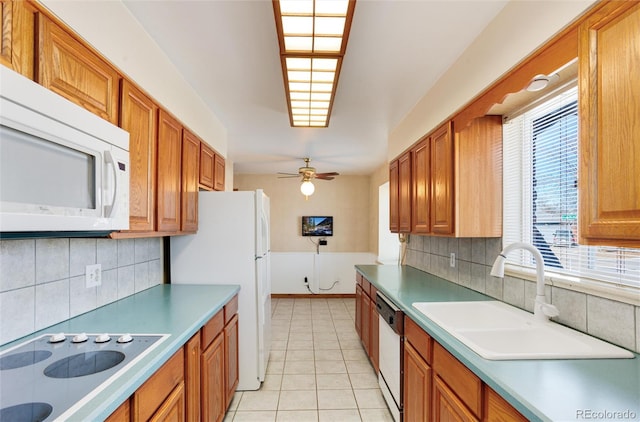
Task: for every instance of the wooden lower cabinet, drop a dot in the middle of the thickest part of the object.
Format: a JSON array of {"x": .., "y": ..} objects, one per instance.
[
  {"x": 447, "y": 406},
  {"x": 438, "y": 387},
  {"x": 172, "y": 409},
  {"x": 213, "y": 400},
  {"x": 366, "y": 319},
  {"x": 192, "y": 354},
  {"x": 231, "y": 361},
  {"x": 121, "y": 414},
  {"x": 417, "y": 386},
  {"x": 161, "y": 397}
]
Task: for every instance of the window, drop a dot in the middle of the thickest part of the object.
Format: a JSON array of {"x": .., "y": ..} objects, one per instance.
[{"x": 541, "y": 195}]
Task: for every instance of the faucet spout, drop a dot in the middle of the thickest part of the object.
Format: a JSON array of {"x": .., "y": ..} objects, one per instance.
[{"x": 541, "y": 309}]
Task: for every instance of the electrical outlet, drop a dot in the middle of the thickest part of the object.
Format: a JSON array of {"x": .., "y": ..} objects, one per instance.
[
  {"x": 452, "y": 260},
  {"x": 93, "y": 275}
]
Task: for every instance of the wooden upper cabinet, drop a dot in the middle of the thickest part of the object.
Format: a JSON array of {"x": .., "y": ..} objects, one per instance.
[
  {"x": 69, "y": 68},
  {"x": 609, "y": 174},
  {"x": 421, "y": 187},
  {"x": 394, "y": 184},
  {"x": 169, "y": 171},
  {"x": 404, "y": 193},
  {"x": 442, "y": 180},
  {"x": 207, "y": 166},
  {"x": 190, "y": 182},
  {"x": 17, "y": 43},
  {"x": 218, "y": 173},
  {"x": 478, "y": 178},
  {"x": 138, "y": 116}
]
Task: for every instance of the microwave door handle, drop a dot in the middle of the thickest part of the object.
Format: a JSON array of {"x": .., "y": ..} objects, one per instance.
[{"x": 110, "y": 209}]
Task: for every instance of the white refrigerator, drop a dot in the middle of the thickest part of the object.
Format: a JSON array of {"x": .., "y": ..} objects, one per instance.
[{"x": 232, "y": 247}]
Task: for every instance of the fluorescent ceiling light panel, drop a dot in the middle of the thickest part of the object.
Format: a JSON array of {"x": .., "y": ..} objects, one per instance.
[{"x": 312, "y": 35}]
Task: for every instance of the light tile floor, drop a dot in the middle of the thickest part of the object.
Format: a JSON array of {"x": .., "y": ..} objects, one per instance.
[{"x": 318, "y": 370}]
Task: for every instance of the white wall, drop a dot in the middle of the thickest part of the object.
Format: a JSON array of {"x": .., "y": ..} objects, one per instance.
[
  {"x": 111, "y": 29},
  {"x": 289, "y": 269},
  {"x": 388, "y": 243}
]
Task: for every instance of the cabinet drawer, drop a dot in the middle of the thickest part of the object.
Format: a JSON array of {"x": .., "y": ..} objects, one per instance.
[
  {"x": 419, "y": 339},
  {"x": 230, "y": 309},
  {"x": 366, "y": 286},
  {"x": 212, "y": 328},
  {"x": 459, "y": 378},
  {"x": 153, "y": 393}
]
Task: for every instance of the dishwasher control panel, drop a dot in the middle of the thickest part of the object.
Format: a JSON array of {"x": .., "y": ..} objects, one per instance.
[{"x": 393, "y": 316}]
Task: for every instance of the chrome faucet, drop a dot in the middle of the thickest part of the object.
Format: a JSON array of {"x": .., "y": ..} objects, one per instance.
[{"x": 542, "y": 310}]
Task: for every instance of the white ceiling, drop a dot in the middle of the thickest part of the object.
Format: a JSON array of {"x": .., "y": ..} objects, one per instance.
[{"x": 228, "y": 51}]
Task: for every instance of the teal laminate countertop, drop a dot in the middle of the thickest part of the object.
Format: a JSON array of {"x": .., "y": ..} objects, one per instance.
[
  {"x": 542, "y": 390},
  {"x": 177, "y": 310}
]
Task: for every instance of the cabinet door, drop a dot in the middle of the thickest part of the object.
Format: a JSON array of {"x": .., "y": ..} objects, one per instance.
[
  {"x": 417, "y": 386},
  {"x": 218, "y": 174},
  {"x": 17, "y": 26},
  {"x": 374, "y": 328},
  {"x": 169, "y": 164},
  {"x": 446, "y": 406},
  {"x": 70, "y": 69},
  {"x": 609, "y": 178},
  {"x": 231, "y": 360},
  {"x": 138, "y": 116},
  {"x": 421, "y": 187},
  {"x": 192, "y": 353},
  {"x": 394, "y": 189},
  {"x": 404, "y": 193},
  {"x": 442, "y": 181},
  {"x": 190, "y": 182},
  {"x": 121, "y": 414},
  {"x": 213, "y": 391},
  {"x": 207, "y": 165},
  {"x": 159, "y": 388},
  {"x": 496, "y": 409},
  {"x": 172, "y": 409},
  {"x": 358, "y": 318},
  {"x": 365, "y": 320}
]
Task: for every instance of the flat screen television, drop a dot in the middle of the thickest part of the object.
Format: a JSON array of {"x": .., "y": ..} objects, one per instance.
[{"x": 317, "y": 226}]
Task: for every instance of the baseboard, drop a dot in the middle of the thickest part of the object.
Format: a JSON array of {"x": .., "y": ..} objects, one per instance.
[{"x": 310, "y": 295}]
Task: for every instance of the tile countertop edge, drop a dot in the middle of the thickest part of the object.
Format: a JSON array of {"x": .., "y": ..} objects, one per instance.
[
  {"x": 161, "y": 300},
  {"x": 394, "y": 285}
]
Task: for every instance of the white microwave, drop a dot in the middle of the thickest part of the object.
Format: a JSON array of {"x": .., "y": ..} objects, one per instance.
[{"x": 62, "y": 168}]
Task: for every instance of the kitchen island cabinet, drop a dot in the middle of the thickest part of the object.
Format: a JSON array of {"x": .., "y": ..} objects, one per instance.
[{"x": 609, "y": 175}]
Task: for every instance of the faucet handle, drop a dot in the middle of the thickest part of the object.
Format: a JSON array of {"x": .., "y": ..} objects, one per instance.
[{"x": 550, "y": 310}]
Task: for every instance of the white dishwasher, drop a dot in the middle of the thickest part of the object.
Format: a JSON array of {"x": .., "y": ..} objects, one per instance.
[{"x": 390, "y": 357}]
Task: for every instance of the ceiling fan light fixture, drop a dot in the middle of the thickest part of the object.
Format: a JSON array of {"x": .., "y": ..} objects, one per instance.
[
  {"x": 312, "y": 35},
  {"x": 307, "y": 188}
]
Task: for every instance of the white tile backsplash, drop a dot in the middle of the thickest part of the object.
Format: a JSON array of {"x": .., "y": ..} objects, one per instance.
[
  {"x": 616, "y": 322},
  {"x": 42, "y": 280}
]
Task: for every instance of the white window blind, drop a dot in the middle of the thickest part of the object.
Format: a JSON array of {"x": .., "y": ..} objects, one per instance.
[{"x": 541, "y": 197}]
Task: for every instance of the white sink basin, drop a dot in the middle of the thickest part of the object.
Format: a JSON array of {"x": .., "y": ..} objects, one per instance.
[{"x": 498, "y": 331}]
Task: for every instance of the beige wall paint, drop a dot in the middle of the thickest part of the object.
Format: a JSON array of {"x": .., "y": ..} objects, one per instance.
[{"x": 346, "y": 198}]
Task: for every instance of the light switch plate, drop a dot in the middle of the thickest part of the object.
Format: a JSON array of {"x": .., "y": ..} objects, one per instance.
[{"x": 93, "y": 275}]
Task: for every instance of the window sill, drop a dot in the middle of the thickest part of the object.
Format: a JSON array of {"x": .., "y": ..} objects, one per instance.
[{"x": 617, "y": 292}]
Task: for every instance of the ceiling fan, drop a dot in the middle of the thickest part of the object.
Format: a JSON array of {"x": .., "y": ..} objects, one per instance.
[{"x": 308, "y": 173}]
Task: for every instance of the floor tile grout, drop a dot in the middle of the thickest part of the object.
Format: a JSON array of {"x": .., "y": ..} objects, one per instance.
[{"x": 328, "y": 317}]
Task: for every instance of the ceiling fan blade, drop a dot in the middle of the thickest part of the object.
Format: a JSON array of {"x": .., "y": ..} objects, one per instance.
[
  {"x": 323, "y": 177},
  {"x": 291, "y": 176},
  {"x": 332, "y": 173}
]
